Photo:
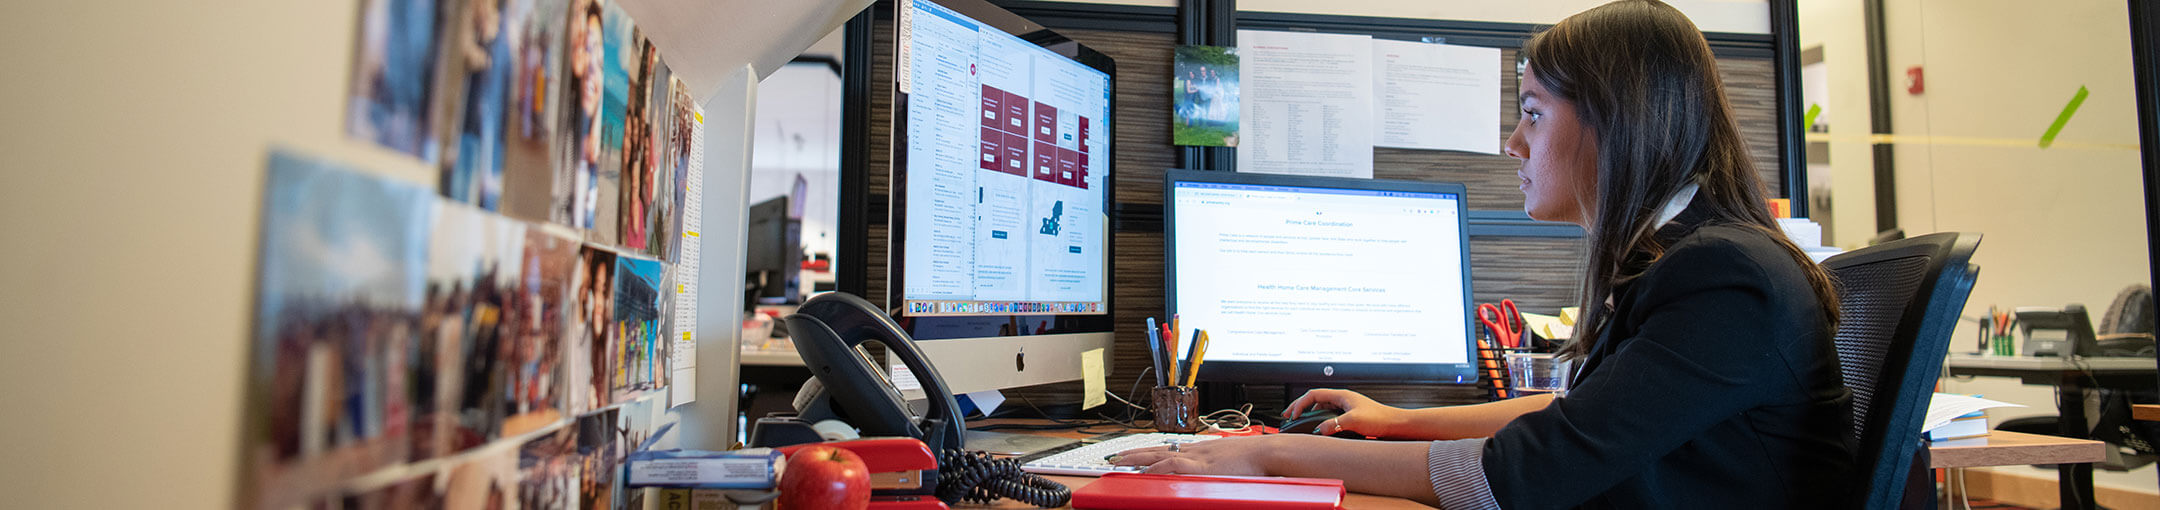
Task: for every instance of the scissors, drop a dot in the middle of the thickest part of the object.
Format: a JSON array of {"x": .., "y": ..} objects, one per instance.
[{"x": 1504, "y": 321}]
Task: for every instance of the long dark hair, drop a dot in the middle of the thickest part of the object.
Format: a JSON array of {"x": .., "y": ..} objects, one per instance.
[{"x": 1643, "y": 80}]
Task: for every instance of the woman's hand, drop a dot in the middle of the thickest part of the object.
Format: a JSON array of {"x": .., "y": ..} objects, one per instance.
[
  {"x": 1248, "y": 456},
  {"x": 1360, "y": 414}
]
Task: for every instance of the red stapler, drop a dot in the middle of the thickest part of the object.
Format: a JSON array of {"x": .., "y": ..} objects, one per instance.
[{"x": 903, "y": 472}]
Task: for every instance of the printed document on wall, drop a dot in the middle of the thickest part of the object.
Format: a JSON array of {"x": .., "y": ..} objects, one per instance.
[
  {"x": 686, "y": 266},
  {"x": 1437, "y": 96},
  {"x": 1307, "y": 105}
]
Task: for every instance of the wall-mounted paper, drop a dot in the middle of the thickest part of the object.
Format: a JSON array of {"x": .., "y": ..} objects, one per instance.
[
  {"x": 1307, "y": 105},
  {"x": 688, "y": 248},
  {"x": 1437, "y": 96}
]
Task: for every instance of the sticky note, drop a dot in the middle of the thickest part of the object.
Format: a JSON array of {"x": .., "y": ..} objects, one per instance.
[{"x": 1091, "y": 379}]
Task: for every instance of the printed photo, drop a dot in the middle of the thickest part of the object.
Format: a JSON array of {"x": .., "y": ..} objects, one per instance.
[
  {"x": 640, "y": 150},
  {"x": 634, "y": 425},
  {"x": 642, "y": 358},
  {"x": 577, "y": 183},
  {"x": 595, "y": 340},
  {"x": 683, "y": 123},
  {"x": 620, "y": 63},
  {"x": 394, "y": 77},
  {"x": 496, "y": 315},
  {"x": 599, "y": 458},
  {"x": 1204, "y": 94},
  {"x": 548, "y": 471},
  {"x": 535, "y": 30},
  {"x": 534, "y": 386},
  {"x": 477, "y": 65},
  {"x": 486, "y": 481},
  {"x": 339, "y": 294},
  {"x": 449, "y": 324},
  {"x": 414, "y": 492}
]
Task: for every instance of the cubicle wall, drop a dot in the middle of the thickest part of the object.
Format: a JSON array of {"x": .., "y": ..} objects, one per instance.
[{"x": 1539, "y": 265}]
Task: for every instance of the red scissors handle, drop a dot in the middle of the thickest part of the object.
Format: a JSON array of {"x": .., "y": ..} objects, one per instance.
[{"x": 1504, "y": 320}]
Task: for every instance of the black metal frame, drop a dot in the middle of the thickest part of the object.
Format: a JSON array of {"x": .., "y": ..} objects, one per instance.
[
  {"x": 1207, "y": 23},
  {"x": 854, "y": 244},
  {"x": 1878, "y": 57},
  {"x": 1792, "y": 137},
  {"x": 2145, "y": 63}
]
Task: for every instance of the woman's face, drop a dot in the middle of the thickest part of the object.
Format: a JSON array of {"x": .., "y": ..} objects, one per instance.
[
  {"x": 1559, "y": 155},
  {"x": 588, "y": 63}
]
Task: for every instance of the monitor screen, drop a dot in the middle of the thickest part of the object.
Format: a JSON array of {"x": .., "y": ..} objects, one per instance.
[
  {"x": 1315, "y": 280},
  {"x": 1001, "y": 190}
]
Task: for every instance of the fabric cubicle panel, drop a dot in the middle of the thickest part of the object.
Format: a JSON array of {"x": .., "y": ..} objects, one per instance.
[{"x": 1541, "y": 273}]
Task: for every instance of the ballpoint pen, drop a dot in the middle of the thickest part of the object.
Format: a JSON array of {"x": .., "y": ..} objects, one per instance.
[
  {"x": 1155, "y": 351},
  {"x": 1192, "y": 377}
]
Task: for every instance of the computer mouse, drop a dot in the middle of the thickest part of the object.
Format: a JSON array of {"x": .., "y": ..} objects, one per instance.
[{"x": 1309, "y": 423}]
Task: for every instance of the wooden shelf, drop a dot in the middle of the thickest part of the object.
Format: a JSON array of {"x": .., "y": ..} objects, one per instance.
[{"x": 2005, "y": 448}]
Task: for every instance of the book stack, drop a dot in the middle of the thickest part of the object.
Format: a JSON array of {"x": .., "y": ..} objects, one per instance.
[
  {"x": 1952, "y": 416},
  {"x": 704, "y": 480}
]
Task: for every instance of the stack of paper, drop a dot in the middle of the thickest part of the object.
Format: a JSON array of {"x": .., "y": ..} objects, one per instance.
[{"x": 1953, "y": 416}]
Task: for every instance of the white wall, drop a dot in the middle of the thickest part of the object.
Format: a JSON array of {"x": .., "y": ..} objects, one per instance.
[
  {"x": 1838, "y": 27},
  {"x": 2062, "y": 224},
  {"x": 134, "y": 153},
  {"x": 135, "y": 157}
]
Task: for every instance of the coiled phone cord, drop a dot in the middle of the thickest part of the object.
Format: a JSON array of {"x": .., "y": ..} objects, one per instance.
[{"x": 976, "y": 478}]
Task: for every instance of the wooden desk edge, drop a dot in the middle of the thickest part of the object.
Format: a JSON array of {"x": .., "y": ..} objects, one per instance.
[
  {"x": 2145, "y": 412},
  {"x": 2005, "y": 448}
]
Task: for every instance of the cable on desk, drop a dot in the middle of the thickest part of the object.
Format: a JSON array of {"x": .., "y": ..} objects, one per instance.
[{"x": 974, "y": 477}]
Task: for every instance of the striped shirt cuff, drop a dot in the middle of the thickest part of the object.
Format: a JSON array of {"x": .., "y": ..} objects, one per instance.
[{"x": 1458, "y": 475}]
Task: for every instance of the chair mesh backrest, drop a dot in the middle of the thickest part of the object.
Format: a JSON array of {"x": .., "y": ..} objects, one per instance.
[
  {"x": 1872, "y": 303},
  {"x": 1899, "y": 302}
]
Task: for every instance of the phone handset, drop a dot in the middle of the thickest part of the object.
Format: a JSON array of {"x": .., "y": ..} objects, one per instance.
[{"x": 827, "y": 330}]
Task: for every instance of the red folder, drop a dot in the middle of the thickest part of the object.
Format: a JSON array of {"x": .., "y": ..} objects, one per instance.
[{"x": 1119, "y": 491}]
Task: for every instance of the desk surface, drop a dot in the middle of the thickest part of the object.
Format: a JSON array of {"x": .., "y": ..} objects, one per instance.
[
  {"x": 765, "y": 358},
  {"x": 2005, "y": 448},
  {"x": 1998, "y": 448},
  {"x": 1355, "y": 501},
  {"x": 2051, "y": 363}
]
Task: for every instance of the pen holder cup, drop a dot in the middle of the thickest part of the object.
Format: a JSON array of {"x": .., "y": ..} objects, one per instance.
[{"x": 1177, "y": 409}]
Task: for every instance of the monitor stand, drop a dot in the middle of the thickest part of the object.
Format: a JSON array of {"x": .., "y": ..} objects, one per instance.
[{"x": 1003, "y": 443}]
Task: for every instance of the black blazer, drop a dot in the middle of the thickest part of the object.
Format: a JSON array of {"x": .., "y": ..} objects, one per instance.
[{"x": 1714, "y": 385}]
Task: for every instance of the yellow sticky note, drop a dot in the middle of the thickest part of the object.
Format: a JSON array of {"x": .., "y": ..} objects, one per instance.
[{"x": 1091, "y": 379}]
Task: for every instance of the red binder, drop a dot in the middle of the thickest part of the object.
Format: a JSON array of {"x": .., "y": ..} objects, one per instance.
[{"x": 1120, "y": 491}]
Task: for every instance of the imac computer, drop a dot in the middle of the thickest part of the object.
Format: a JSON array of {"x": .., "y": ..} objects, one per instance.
[
  {"x": 1000, "y": 239},
  {"x": 1308, "y": 281}
]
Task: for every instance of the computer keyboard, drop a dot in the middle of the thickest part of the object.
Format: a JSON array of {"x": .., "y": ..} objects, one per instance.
[{"x": 1088, "y": 459}]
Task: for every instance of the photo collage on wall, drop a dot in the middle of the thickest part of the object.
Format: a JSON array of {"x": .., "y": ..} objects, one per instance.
[{"x": 498, "y": 344}]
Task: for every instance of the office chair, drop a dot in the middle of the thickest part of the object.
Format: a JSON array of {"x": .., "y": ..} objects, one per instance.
[{"x": 1898, "y": 302}]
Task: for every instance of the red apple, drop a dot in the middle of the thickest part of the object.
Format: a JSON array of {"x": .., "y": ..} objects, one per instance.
[{"x": 824, "y": 477}]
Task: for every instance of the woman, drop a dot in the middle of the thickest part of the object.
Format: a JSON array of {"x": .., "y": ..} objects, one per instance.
[{"x": 1706, "y": 374}]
